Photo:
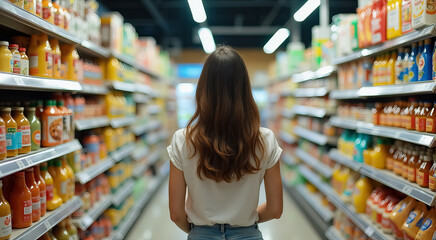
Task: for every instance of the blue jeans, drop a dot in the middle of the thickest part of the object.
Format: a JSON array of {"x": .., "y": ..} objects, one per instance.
[{"x": 224, "y": 232}]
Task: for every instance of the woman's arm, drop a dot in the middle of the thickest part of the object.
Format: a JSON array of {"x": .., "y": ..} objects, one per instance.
[
  {"x": 177, "y": 194},
  {"x": 273, "y": 207}
]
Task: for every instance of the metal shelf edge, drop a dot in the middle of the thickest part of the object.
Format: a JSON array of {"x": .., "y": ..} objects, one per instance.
[
  {"x": 326, "y": 171},
  {"x": 123, "y": 192},
  {"x": 90, "y": 173},
  {"x": 91, "y": 123}
]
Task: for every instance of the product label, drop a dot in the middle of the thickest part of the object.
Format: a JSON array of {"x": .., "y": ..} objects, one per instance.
[
  {"x": 25, "y": 135},
  {"x": 411, "y": 217},
  {"x": 57, "y": 62},
  {"x": 2, "y": 139},
  {"x": 385, "y": 221},
  {"x": 432, "y": 182},
  {"x": 16, "y": 63},
  {"x": 422, "y": 178},
  {"x": 406, "y": 17},
  {"x": 42, "y": 197},
  {"x": 402, "y": 207},
  {"x": 38, "y": 8},
  {"x": 422, "y": 124},
  {"x": 411, "y": 174},
  {"x": 394, "y": 20},
  {"x": 55, "y": 129},
  {"x": 27, "y": 216},
  {"x": 420, "y": 221},
  {"x": 19, "y": 138},
  {"x": 66, "y": 127},
  {"x": 57, "y": 19},
  {"x": 36, "y": 137},
  {"x": 46, "y": 13},
  {"x": 64, "y": 187},
  {"x": 11, "y": 139},
  {"x": 430, "y": 125},
  {"x": 5, "y": 226},
  {"x": 33, "y": 65},
  {"x": 36, "y": 204},
  {"x": 49, "y": 191},
  {"x": 398, "y": 72},
  {"x": 421, "y": 66},
  {"x": 426, "y": 224},
  {"x": 25, "y": 67},
  {"x": 49, "y": 59}
]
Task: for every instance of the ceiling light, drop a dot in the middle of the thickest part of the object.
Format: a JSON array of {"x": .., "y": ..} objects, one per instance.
[
  {"x": 306, "y": 10},
  {"x": 207, "y": 40},
  {"x": 276, "y": 40},
  {"x": 197, "y": 10}
]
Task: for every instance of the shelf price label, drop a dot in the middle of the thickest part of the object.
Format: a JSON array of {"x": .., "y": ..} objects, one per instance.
[
  {"x": 29, "y": 161},
  {"x": 407, "y": 189},
  {"x": 369, "y": 231},
  {"x": 19, "y": 81},
  {"x": 20, "y": 164},
  {"x": 47, "y": 225}
]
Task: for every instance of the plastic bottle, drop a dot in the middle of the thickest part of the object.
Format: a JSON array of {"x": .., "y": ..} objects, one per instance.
[
  {"x": 390, "y": 75},
  {"x": 407, "y": 153},
  {"x": 430, "y": 122},
  {"x": 12, "y": 137},
  {"x": 423, "y": 172},
  {"x": 92, "y": 145},
  {"x": 425, "y": 62},
  {"x": 35, "y": 128},
  {"x": 58, "y": 14},
  {"x": 48, "y": 11},
  {"x": 24, "y": 62},
  {"x": 361, "y": 193},
  {"x": 48, "y": 53},
  {"x": 428, "y": 228},
  {"x": 34, "y": 190},
  {"x": 23, "y": 129},
  {"x": 16, "y": 58},
  {"x": 399, "y": 215},
  {"x": 53, "y": 199},
  {"x": 432, "y": 175},
  {"x": 414, "y": 221},
  {"x": 52, "y": 127},
  {"x": 60, "y": 232},
  {"x": 386, "y": 223},
  {"x": 34, "y": 55},
  {"x": 70, "y": 174},
  {"x": 422, "y": 117},
  {"x": 21, "y": 202},
  {"x": 406, "y": 65},
  {"x": 379, "y": 154},
  {"x": 54, "y": 44},
  {"x": 399, "y": 66},
  {"x": 5, "y": 216},
  {"x": 42, "y": 189},
  {"x": 3, "y": 152},
  {"x": 69, "y": 59},
  {"x": 61, "y": 180},
  {"x": 5, "y": 57},
  {"x": 417, "y": 112},
  {"x": 413, "y": 67},
  {"x": 67, "y": 116}
]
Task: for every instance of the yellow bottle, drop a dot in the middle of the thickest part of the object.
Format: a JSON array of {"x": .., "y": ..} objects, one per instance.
[
  {"x": 69, "y": 59},
  {"x": 375, "y": 71},
  {"x": 60, "y": 178},
  {"x": 390, "y": 76},
  {"x": 70, "y": 173},
  {"x": 379, "y": 154},
  {"x": 33, "y": 55},
  {"x": 342, "y": 179},
  {"x": 109, "y": 139},
  {"x": 361, "y": 193},
  {"x": 40, "y": 57},
  {"x": 53, "y": 199},
  {"x": 5, "y": 57},
  {"x": 112, "y": 70},
  {"x": 56, "y": 53},
  {"x": 48, "y": 60},
  {"x": 383, "y": 70}
]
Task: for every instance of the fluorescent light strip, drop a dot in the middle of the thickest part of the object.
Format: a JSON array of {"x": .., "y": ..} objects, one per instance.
[
  {"x": 306, "y": 10},
  {"x": 207, "y": 40},
  {"x": 276, "y": 40},
  {"x": 197, "y": 10}
]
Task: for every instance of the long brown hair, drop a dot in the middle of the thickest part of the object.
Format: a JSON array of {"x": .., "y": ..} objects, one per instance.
[{"x": 224, "y": 131}]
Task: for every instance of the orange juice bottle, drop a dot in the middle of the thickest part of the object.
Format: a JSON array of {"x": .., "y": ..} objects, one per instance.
[
  {"x": 48, "y": 60},
  {"x": 60, "y": 180},
  {"x": 48, "y": 11},
  {"x": 54, "y": 44},
  {"x": 52, "y": 198},
  {"x": 428, "y": 228},
  {"x": 70, "y": 174},
  {"x": 11, "y": 130},
  {"x": 69, "y": 59},
  {"x": 23, "y": 129},
  {"x": 379, "y": 154},
  {"x": 21, "y": 202},
  {"x": 33, "y": 54},
  {"x": 5, "y": 57},
  {"x": 3, "y": 152},
  {"x": 42, "y": 189},
  {"x": 34, "y": 190},
  {"x": 414, "y": 221},
  {"x": 52, "y": 127},
  {"x": 361, "y": 193},
  {"x": 5, "y": 216}
]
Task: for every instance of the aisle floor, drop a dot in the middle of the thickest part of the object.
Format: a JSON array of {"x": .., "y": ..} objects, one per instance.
[{"x": 155, "y": 223}]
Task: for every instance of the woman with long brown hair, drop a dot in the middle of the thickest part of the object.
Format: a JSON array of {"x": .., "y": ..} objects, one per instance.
[{"x": 222, "y": 157}]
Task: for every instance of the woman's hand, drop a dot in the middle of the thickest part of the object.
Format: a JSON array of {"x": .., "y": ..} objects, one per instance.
[
  {"x": 177, "y": 196},
  {"x": 273, "y": 207}
]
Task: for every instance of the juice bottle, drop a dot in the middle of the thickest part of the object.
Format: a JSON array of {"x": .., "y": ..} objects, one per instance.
[
  {"x": 42, "y": 189},
  {"x": 29, "y": 5},
  {"x": 432, "y": 175},
  {"x": 61, "y": 180},
  {"x": 12, "y": 137},
  {"x": 361, "y": 193},
  {"x": 24, "y": 62},
  {"x": 425, "y": 62},
  {"x": 417, "y": 112},
  {"x": 36, "y": 194},
  {"x": 3, "y": 152},
  {"x": 413, "y": 67},
  {"x": 52, "y": 127},
  {"x": 423, "y": 172},
  {"x": 405, "y": 161},
  {"x": 48, "y": 60},
  {"x": 413, "y": 164},
  {"x": 53, "y": 199},
  {"x": 70, "y": 174},
  {"x": 48, "y": 11},
  {"x": 56, "y": 58},
  {"x": 422, "y": 117},
  {"x": 430, "y": 122},
  {"x": 406, "y": 65},
  {"x": 69, "y": 60},
  {"x": 414, "y": 221},
  {"x": 5, "y": 57},
  {"x": 35, "y": 128},
  {"x": 399, "y": 215},
  {"x": 386, "y": 223},
  {"x": 21, "y": 202},
  {"x": 390, "y": 75},
  {"x": 379, "y": 154},
  {"x": 58, "y": 14},
  {"x": 399, "y": 66},
  {"x": 35, "y": 52},
  {"x": 60, "y": 232},
  {"x": 390, "y": 157},
  {"x": 5, "y": 216},
  {"x": 16, "y": 58},
  {"x": 23, "y": 129},
  {"x": 71, "y": 229},
  {"x": 428, "y": 228}
]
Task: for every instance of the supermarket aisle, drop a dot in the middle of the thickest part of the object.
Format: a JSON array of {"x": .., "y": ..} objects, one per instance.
[{"x": 155, "y": 224}]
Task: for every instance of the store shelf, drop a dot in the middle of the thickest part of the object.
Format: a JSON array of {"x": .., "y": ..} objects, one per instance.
[
  {"x": 287, "y": 93},
  {"x": 315, "y": 180},
  {"x": 10, "y": 81},
  {"x": 289, "y": 159},
  {"x": 141, "y": 98},
  {"x": 154, "y": 138},
  {"x": 122, "y": 152},
  {"x": 310, "y": 111},
  {"x": 51, "y": 219},
  {"x": 311, "y": 75},
  {"x": 310, "y": 92},
  {"x": 415, "y": 137},
  {"x": 144, "y": 89},
  {"x": 315, "y": 202},
  {"x": 144, "y": 128},
  {"x": 340, "y": 158},
  {"x": 91, "y": 123},
  {"x": 314, "y": 137},
  {"x": 123, "y": 86},
  {"x": 122, "y": 122},
  {"x": 316, "y": 164},
  {"x": 123, "y": 192},
  {"x": 344, "y": 94},
  {"x": 93, "y": 213},
  {"x": 344, "y": 123},
  {"x": 140, "y": 153},
  {"x": 94, "y": 89},
  {"x": 132, "y": 62},
  {"x": 152, "y": 159},
  {"x": 389, "y": 179},
  {"x": 287, "y": 138},
  {"x": 333, "y": 234},
  {"x": 15, "y": 164},
  {"x": 90, "y": 173},
  {"x": 415, "y": 88},
  {"x": 406, "y": 39},
  {"x": 154, "y": 109}
]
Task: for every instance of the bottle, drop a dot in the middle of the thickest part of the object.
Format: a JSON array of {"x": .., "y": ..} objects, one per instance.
[
  {"x": 399, "y": 66},
  {"x": 12, "y": 137},
  {"x": 390, "y": 75},
  {"x": 70, "y": 175},
  {"x": 420, "y": 50},
  {"x": 53, "y": 199},
  {"x": 69, "y": 103},
  {"x": 3, "y": 152},
  {"x": 48, "y": 11},
  {"x": 430, "y": 122},
  {"x": 399, "y": 215},
  {"x": 413, "y": 67},
  {"x": 406, "y": 65},
  {"x": 16, "y": 58},
  {"x": 19, "y": 3},
  {"x": 405, "y": 161},
  {"x": 60, "y": 180},
  {"x": 54, "y": 44},
  {"x": 34, "y": 55},
  {"x": 48, "y": 60},
  {"x": 428, "y": 228},
  {"x": 52, "y": 127},
  {"x": 46, "y": 236},
  {"x": 361, "y": 193},
  {"x": 423, "y": 172},
  {"x": 5, "y": 57},
  {"x": 71, "y": 229},
  {"x": 414, "y": 221},
  {"x": 68, "y": 59},
  {"x": 24, "y": 62},
  {"x": 60, "y": 232},
  {"x": 38, "y": 8},
  {"x": 58, "y": 14},
  {"x": 5, "y": 216},
  {"x": 21, "y": 202},
  {"x": 67, "y": 16},
  {"x": 422, "y": 118},
  {"x": 29, "y": 5},
  {"x": 390, "y": 156},
  {"x": 42, "y": 189},
  {"x": 425, "y": 62},
  {"x": 417, "y": 112},
  {"x": 23, "y": 129},
  {"x": 386, "y": 223},
  {"x": 39, "y": 109},
  {"x": 34, "y": 190},
  {"x": 434, "y": 62},
  {"x": 92, "y": 144},
  {"x": 67, "y": 117},
  {"x": 35, "y": 128},
  {"x": 413, "y": 164},
  {"x": 379, "y": 154},
  {"x": 432, "y": 175},
  {"x": 376, "y": 111}
]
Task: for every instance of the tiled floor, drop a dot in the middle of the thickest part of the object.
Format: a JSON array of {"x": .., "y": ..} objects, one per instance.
[{"x": 155, "y": 223}]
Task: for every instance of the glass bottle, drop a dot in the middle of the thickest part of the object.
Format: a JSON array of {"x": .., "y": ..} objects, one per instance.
[
  {"x": 432, "y": 175},
  {"x": 42, "y": 189},
  {"x": 23, "y": 128},
  {"x": 35, "y": 128},
  {"x": 24, "y": 62},
  {"x": 11, "y": 132},
  {"x": 5, "y": 216},
  {"x": 416, "y": 113},
  {"x": 411, "y": 175},
  {"x": 404, "y": 162},
  {"x": 34, "y": 190},
  {"x": 21, "y": 202},
  {"x": 424, "y": 170},
  {"x": 422, "y": 118},
  {"x": 430, "y": 124}
]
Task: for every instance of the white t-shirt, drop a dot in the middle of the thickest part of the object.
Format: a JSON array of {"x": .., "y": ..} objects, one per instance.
[{"x": 209, "y": 202}]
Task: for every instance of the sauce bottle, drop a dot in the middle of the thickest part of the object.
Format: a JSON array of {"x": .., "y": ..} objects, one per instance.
[
  {"x": 16, "y": 58},
  {"x": 54, "y": 44},
  {"x": 412, "y": 165},
  {"x": 376, "y": 113},
  {"x": 416, "y": 217},
  {"x": 53, "y": 199},
  {"x": 61, "y": 180},
  {"x": 42, "y": 189},
  {"x": 5, "y": 57},
  {"x": 48, "y": 11},
  {"x": 52, "y": 127},
  {"x": 417, "y": 112},
  {"x": 67, "y": 116},
  {"x": 35, "y": 128},
  {"x": 399, "y": 215},
  {"x": 23, "y": 129},
  {"x": 3, "y": 152},
  {"x": 34, "y": 190},
  {"x": 405, "y": 160},
  {"x": 413, "y": 67},
  {"x": 21, "y": 202},
  {"x": 24, "y": 62},
  {"x": 60, "y": 232},
  {"x": 428, "y": 228},
  {"x": 432, "y": 175},
  {"x": 409, "y": 119},
  {"x": 422, "y": 118},
  {"x": 390, "y": 156},
  {"x": 39, "y": 109},
  {"x": 5, "y": 216},
  {"x": 70, "y": 174},
  {"x": 430, "y": 124},
  {"x": 425, "y": 62},
  {"x": 11, "y": 132},
  {"x": 424, "y": 170}
]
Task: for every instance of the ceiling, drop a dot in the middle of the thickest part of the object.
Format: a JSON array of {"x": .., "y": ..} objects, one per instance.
[{"x": 170, "y": 21}]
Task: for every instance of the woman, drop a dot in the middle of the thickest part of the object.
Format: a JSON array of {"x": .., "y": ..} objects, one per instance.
[{"x": 222, "y": 157}]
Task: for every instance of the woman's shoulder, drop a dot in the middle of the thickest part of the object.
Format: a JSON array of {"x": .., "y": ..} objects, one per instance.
[{"x": 266, "y": 133}]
